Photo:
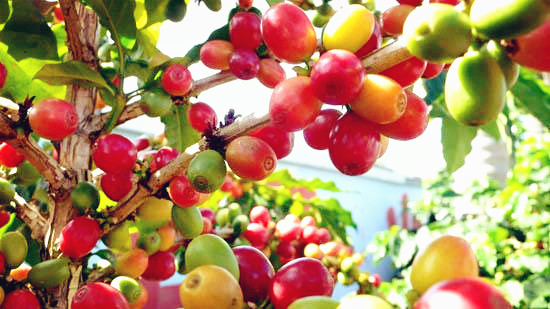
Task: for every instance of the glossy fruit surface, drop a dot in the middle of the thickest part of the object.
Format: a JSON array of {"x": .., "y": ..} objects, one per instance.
[
  {"x": 215, "y": 54},
  {"x": 250, "y": 158},
  {"x": 116, "y": 186},
  {"x": 411, "y": 2},
  {"x": 257, "y": 235},
  {"x": 412, "y": 123},
  {"x": 168, "y": 237},
  {"x": 279, "y": 140},
  {"x": 255, "y": 271},
  {"x": 119, "y": 237},
  {"x": 53, "y": 119},
  {"x": 85, "y": 196},
  {"x": 406, "y": 72},
  {"x": 381, "y": 100},
  {"x": 9, "y": 156},
  {"x": 271, "y": 72},
  {"x": 475, "y": 89},
  {"x": 445, "y": 258},
  {"x": 531, "y": 49},
  {"x": 337, "y": 77},
  {"x": 349, "y": 28},
  {"x": 3, "y": 75},
  {"x": 79, "y": 237},
  {"x": 156, "y": 103},
  {"x": 432, "y": 70},
  {"x": 201, "y": 116},
  {"x": 299, "y": 278},
  {"x": 245, "y": 30},
  {"x": 210, "y": 249},
  {"x": 150, "y": 242},
  {"x": 374, "y": 42},
  {"x": 162, "y": 157},
  {"x": 176, "y": 80},
  {"x": 14, "y": 248},
  {"x": 114, "y": 153},
  {"x": 437, "y": 32},
  {"x": 98, "y": 295},
  {"x": 364, "y": 301},
  {"x": 129, "y": 287},
  {"x": 293, "y": 104},
  {"x": 161, "y": 266},
  {"x": 7, "y": 191},
  {"x": 210, "y": 287},
  {"x": 21, "y": 299},
  {"x": 50, "y": 273},
  {"x": 354, "y": 145},
  {"x": 260, "y": 214},
  {"x": 207, "y": 171},
  {"x": 288, "y": 33},
  {"x": 451, "y": 2},
  {"x": 507, "y": 19},
  {"x": 188, "y": 221},
  {"x": 509, "y": 68},
  {"x": 131, "y": 263},
  {"x": 182, "y": 192},
  {"x": 314, "y": 302},
  {"x": 154, "y": 213},
  {"x": 316, "y": 134},
  {"x": 244, "y": 63},
  {"x": 394, "y": 18}
]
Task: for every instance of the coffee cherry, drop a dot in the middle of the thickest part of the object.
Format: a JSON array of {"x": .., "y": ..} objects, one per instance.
[
  {"x": 271, "y": 72},
  {"x": 114, "y": 154},
  {"x": 21, "y": 298},
  {"x": 316, "y": 134},
  {"x": 116, "y": 186},
  {"x": 176, "y": 80},
  {"x": 374, "y": 42},
  {"x": 215, "y": 54},
  {"x": 182, "y": 192},
  {"x": 394, "y": 18},
  {"x": 406, "y": 72},
  {"x": 245, "y": 30},
  {"x": 279, "y": 140},
  {"x": 53, "y": 119},
  {"x": 3, "y": 75},
  {"x": 98, "y": 295},
  {"x": 161, "y": 266},
  {"x": 9, "y": 156},
  {"x": 162, "y": 157},
  {"x": 244, "y": 64},
  {"x": 250, "y": 158},
  {"x": 201, "y": 116},
  {"x": 79, "y": 237},
  {"x": 432, "y": 70},
  {"x": 260, "y": 214}
]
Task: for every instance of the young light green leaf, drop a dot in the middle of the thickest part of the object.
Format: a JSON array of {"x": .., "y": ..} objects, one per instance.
[
  {"x": 178, "y": 131},
  {"x": 492, "y": 129},
  {"x": 27, "y": 34},
  {"x": 118, "y": 17},
  {"x": 531, "y": 93},
  {"x": 72, "y": 72},
  {"x": 457, "y": 142}
]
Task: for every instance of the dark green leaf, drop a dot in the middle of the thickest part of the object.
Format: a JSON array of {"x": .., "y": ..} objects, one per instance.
[
  {"x": 531, "y": 93},
  {"x": 4, "y": 11},
  {"x": 156, "y": 10},
  {"x": 178, "y": 131},
  {"x": 27, "y": 34},
  {"x": 106, "y": 254},
  {"x": 176, "y": 9},
  {"x": 457, "y": 142},
  {"x": 118, "y": 17},
  {"x": 72, "y": 72},
  {"x": 117, "y": 103},
  {"x": 434, "y": 88}
]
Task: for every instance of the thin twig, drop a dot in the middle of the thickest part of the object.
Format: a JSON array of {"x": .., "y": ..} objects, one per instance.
[
  {"x": 31, "y": 216},
  {"x": 386, "y": 57}
]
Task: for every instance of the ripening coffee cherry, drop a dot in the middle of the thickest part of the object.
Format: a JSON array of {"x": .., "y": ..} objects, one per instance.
[
  {"x": 117, "y": 186},
  {"x": 412, "y": 123},
  {"x": 114, "y": 153},
  {"x": 53, "y": 119},
  {"x": 98, "y": 295},
  {"x": 271, "y": 72},
  {"x": 176, "y": 80},
  {"x": 9, "y": 156},
  {"x": 182, "y": 192},
  {"x": 279, "y": 140},
  {"x": 244, "y": 64},
  {"x": 250, "y": 158},
  {"x": 215, "y": 54},
  {"x": 201, "y": 116},
  {"x": 162, "y": 157},
  {"x": 316, "y": 134},
  {"x": 79, "y": 237},
  {"x": 245, "y": 30},
  {"x": 3, "y": 75}
]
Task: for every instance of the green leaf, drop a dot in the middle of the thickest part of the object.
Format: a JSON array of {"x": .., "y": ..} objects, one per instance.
[
  {"x": 19, "y": 82},
  {"x": 457, "y": 142},
  {"x": 492, "y": 129},
  {"x": 118, "y": 17},
  {"x": 4, "y": 11},
  {"x": 61, "y": 38},
  {"x": 179, "y": 132},
  {"x": 27, "y": 34},
  {"x": 334, "y": 217},
  {"x": 434, "y": 88},
  {"x": 72, "y": 72},
  {"x": 155, "y": 11},
  {"x": 531, "y": 93},
  {"x": 286, "y": 180},
  {"x": 117, "y": 103}
]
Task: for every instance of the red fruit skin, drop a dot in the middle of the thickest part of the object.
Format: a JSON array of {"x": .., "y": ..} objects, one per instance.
[
  {"x": 21, "y": 299},
  {"x": 215, "y": 54},
  {"x": 245, "y": 4},
  {"x": 256, "y": 234},
  {"x": 432, "y": 70},
  {"x": 317, "y": 133},
  {"x": 286, "y": 252},
  {"x": 337, "y": 77},
  {"x": 412, "y": 123},
  {"x": 406, "y": 72},
  {"x": 250, "y": 158},
  {"x": 207, "y": 226},
  {"x": 79, "y": 237},
  {"x": 3, "y": 75},
  {"x": 99, "y": 295},
  {"x": 2, "y": 263},
  {"x": 451, "y": 2},
  {"x": 531, "y": 49},
  {"x": 244, "y": 64},
  {"x": 354, "y": 145},
  {"x": 256, "y": 273},
  {"x": 161, "y": 266},
  {"x": 288, "y": 33},
  {"x": 293, "y": 104},
  {"x": 411, "y": 2},
  {"x": 309, "y": 235},
  {"x": 323, "y": 235},
  {"x": 4, "y": 218},
  {"x": 208, "y": 214},
  {"x": 162, "y": 157},
  {"x": 116, "y": 186},
  {"x": 53, "y": 119},
  {"x": 279, "y": 140},
  {"x": 114, "y": 153},
  {"x": 307, "y": 221},
  {"x": 201, "y": 116},
  {"x": 245, "y": 30},
  {"x": 271, "y": 72},
  {"x": 176, "y": 80},
  {"x": 393, "y": 19},
  {"x": 141, "y": 143},
  {"x": 9, "y": 157},
  {"x": 299, "y": 278},
  {"x": 375, "y": 280},
  {"x": 464, "y": 293},
  {"x": 58, "y": 13},
  {"x": 182, "y": 192},
  {"x": 288, "y": 230},
  {"x": 374, "y": 42},
  {"x": 260, "y": 214}
]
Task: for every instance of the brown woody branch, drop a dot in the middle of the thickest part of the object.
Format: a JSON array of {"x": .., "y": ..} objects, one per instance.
[
  {"x": 386, "y": 57},
  {"x": 30, "y": 215}
]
